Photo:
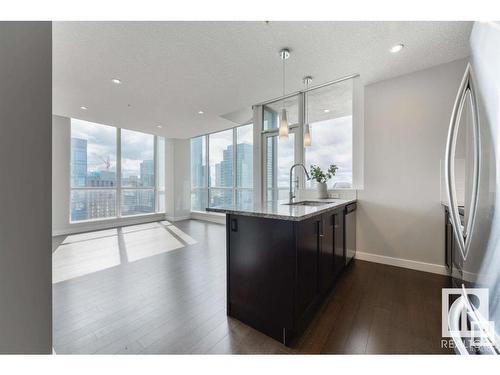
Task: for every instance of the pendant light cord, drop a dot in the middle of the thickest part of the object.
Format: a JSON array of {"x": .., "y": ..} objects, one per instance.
[
  {"x": 306, "y": 104},
  {"x": 283, "y": 77}
]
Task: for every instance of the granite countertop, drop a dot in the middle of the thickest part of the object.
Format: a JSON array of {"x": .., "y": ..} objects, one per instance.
[{"x": 280, "y": 209}]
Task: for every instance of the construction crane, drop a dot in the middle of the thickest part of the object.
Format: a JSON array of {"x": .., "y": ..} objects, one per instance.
[{"x": 106, "y": 162}]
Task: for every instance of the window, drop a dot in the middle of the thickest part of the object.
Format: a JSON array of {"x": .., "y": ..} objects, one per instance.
[
  {"x": 330, "y": 115},
  {"x": 97, "y": 191},
  {"x": 160, "y": 172},
  {"x": 199, "y": 188},
  {"x": 228, "y": 175},
  {"x": 330, "y": 119},
  {"x": 280, "y": 157},
  {"x": 244, "y": 166},
  {"x": 93, "y": 171},
  {"x": 137, "y": 173},
  {"x": 220, "y": 176},
  {"x": 272, "y": 112},
  {"x": 279, "y": 154}
]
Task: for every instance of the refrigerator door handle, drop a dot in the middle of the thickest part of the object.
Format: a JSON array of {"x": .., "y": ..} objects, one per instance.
[
  {"x": 454, "y": 318},
  {"x": 465, "y": 92}
]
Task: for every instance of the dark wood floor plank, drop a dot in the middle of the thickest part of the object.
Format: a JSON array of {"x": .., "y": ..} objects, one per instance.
[{"x": 174, "y": 303}]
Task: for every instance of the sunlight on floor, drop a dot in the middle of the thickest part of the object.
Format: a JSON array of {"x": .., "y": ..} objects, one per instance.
[
  {"x": 84, "y": 257},
  {"x": 140, "y": 245},
  {"x": 182, "y": 235},
  {"x": 86, "y": 253},
  {"x": 90, "y": 235}
]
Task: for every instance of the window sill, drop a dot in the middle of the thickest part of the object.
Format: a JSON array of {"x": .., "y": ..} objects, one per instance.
[{"x": 114, "y": 218}]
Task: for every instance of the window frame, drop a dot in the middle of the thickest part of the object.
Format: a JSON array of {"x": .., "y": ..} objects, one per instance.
[
  {"x": 118, "y": 188},
  {"x": 298, "y": 129}
]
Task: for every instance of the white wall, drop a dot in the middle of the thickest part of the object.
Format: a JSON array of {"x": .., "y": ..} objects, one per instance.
[
  {"x": 25, "y": 243},
  {"x": 177, "y": 169},
  {"x": 406, "y": 124},
  {"x": 61, "y": 160},
  {"x": 178, "y": 176}
]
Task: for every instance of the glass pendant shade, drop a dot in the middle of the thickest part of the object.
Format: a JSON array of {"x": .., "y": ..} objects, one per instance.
[
  {"x": 307, "y": 136},
  {"x": 283, "y": 129}
]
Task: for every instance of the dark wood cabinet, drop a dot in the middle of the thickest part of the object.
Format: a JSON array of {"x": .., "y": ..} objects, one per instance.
[
  {"x": 279, "y": 271},
  {"x": 307, "y": 247},
  {"x": 339, "y": 243},
  {"x": 326, "y": 252}
]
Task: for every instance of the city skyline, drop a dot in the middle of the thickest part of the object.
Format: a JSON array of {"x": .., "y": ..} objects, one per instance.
[{"x": 88, "y": 169}]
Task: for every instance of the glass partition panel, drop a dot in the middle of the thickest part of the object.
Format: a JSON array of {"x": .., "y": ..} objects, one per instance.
[{"x": 330, "y": 117}]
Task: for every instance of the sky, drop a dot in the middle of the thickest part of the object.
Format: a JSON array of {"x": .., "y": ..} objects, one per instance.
[
  {"x": 101, "y": 144},
  {"x": 331, "y": 144}
]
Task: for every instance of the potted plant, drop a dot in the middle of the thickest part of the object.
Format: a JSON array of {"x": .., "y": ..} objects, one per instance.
[{"x": 321, "y": 178}]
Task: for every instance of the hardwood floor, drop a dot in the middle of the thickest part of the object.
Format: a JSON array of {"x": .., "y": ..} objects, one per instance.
[{"x": 160, "y": 288}]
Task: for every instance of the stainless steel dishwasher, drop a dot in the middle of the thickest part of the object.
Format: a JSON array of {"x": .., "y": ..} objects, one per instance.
[{"x": 350, "y": 232}]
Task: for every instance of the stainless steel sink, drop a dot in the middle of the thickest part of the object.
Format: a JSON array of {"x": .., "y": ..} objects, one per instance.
[{"x": 307, "y": 203}]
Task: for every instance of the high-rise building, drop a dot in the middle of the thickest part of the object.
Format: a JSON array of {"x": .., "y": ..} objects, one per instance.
[
  {"x": 78, "y": 162},
  {"x": 226, "y": 167},
  {"x": 147, "y": 168},
  {"x": 197, "y": 164},
  {"x": 244, "y": 165},
  {"x": 101, "y": 179}
]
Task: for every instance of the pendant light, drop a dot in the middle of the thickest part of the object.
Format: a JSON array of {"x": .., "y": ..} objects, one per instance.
[
  {"x": 307, "y": 128},
  {"x": 283, "y": 128}
]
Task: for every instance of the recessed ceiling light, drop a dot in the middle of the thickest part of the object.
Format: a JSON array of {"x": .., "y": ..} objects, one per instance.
[
  {"x": 83, "y": 107},
  {"x": 326, "y": 110},
  {"x": 116, "y": 81},
  {"x": 200, "y": 112},
  {"x": 397, "y": 48},
  {"x": 159, "y": 126}
]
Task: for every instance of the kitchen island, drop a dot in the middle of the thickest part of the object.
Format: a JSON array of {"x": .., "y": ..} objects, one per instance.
[{"x": 282, "y": 260}]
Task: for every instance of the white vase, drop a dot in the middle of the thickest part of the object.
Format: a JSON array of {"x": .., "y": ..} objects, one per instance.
[{"x": 322, "y": 190}]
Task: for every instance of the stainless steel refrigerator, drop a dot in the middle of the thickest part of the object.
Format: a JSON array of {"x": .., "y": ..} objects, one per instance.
[{"x": 478, "y": 238}]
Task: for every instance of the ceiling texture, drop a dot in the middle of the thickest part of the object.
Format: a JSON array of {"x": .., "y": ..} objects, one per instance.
[{"x": 172, "y": 70}]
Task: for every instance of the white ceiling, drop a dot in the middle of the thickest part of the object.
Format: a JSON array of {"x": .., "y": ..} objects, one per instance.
[{"x": 171, "y": 70}]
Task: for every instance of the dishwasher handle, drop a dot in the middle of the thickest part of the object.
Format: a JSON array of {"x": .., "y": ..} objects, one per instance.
[{"x": 350, "y": 208}]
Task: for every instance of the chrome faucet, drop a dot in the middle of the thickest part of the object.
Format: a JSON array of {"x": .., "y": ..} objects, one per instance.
[{"x": 292, "y": 195}]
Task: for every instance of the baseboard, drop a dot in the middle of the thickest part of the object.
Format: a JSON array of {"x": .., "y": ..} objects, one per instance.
[
  {"x": 209, "y": 216},
  {"x": 178, "y": 218},
  {"x": 404, "y": 263}
]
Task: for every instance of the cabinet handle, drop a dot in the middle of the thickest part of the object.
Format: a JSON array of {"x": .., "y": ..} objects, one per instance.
[
  {"x": 321, "y": 229},
  {"x": 234, "y": 225},
  {"x": 465, "y": 92}
]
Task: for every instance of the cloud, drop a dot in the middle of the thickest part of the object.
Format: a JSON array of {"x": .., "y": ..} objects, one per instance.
[{"x": 101, "y": 144}]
